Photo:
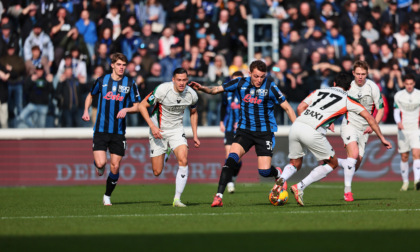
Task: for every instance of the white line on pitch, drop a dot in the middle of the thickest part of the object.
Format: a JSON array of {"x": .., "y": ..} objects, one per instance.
[{"x": 201, "y": 214}]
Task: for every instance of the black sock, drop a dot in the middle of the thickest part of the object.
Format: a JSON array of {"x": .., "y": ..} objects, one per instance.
[
  {"x": 274, "y": 172},
  {"x": 225, "y": 177},
  {"x": 237, "y": 169},
  {"x": 110, "y": 186}
]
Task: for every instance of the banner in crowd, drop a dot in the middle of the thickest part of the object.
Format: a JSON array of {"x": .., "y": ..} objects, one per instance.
[{"x": 70, "y": 162}]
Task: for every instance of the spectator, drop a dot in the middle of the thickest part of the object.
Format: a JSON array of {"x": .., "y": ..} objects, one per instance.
[
  {"x": 70, "y": 93},
  {"x": 401, "y": 59},
  {"x": 385, "y": 53},
  {"x": 357, "y": 38},
  {"x": 134, "y": 24},
  {"x": 197, "y": 65},
  {"x": 199, "y": 28},
  {"x": 170, "y": 63},
  {"x": 154, "y": 78},
  {"x": 218, "y": 71},
  {"x": 414, "y": 14},
  {"x": 153, "y": 13},
  {"x": 415, "y": 35},
  {"x": 338, "y": 41},
  {"x": 327, "y": 13},
  {"x": 395, "y": 82},
  {"x": 6, "y": 37},
  {"x": 402, "y": 36},
  {"x": 330, "y": 55},
  {"x": 61, "y": 26},
  {"x": 105, "y": 37},
  {"x": 102, "y": 58},
  {"x": 36, "y": 61},
  {"x": 177, "y": 11},
  {"x": 113, "y": 21},
  {"x": 166, "y": 41},
  {"x": 38, "y": 89},
  {"x": 373, "y": 57},
  {"x": 72, "y": 60},
  {"x": 317, "y": 42},
  {"x": 299, "y": 48},
  {"x": 98, "y": 71},
  {"x": 4, "y": 113},
  {"x": 349, "y": 18},
  {"x": 137, "y": 61},
  {"x": 98, "y": 11},
  {"x": 87, "y": 29},
  {"x": 74, "y": 40},
  {"x": 394, "y": 16},
  {"x": 129, "y": 42},
  {"x": 370, "y": 33},
  {"x": 150, "y": 41},
  {"x": 238, "y": 65},
  {"x": 284, "y": 33},
  {"x": 14, "y": 65},
  {"x": 38, "y": 38}
]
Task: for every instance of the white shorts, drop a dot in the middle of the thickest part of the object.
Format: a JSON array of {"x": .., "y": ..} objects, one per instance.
[
  {"x": 303, "y": 136},
  {"x": 408, "y": 140},
  {"x": 350, "y": 134},
  {"x": 171, "y": 138}
]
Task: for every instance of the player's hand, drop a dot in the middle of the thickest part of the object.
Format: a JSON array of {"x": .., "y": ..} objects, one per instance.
[
  {"x": 196, "y": 86},
  {"x": 196, "y": 142},
  {"x": 222, "y": 127},
  {"x": 400, "y": 126},
  {"x": 368, "y": 130},
  {"x": 387, "y": 144},
  {"x": 156, "y": 132},
  {"x": 122, "y": 113},
  {"x": 86, "y": 116},
  {"x": 331, "y": 127}
]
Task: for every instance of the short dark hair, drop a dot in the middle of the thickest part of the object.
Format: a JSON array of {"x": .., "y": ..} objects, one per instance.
[
  {"x": 343, "y": 80},
  {"x": 118, "y": 56},
  {"x": 258, "y": 64},
  {"x": 179, "y": 70},
  {"x": 238, "y": 74},
  {"x": 409, "y": 76}
]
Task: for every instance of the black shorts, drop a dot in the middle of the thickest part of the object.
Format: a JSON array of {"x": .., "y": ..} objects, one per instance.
[
  {"x": 263, "y": 141},
  {"x": 114, "y": 142},
  {"x": 229, "y": 136}
]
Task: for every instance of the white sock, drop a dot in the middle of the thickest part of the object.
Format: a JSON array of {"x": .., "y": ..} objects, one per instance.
[
  {"x": 416, "y": 169},
  {"x": 181, "y": 180},
  {"x": 288, "y": 171},
  {"x": 316, "y": 174},
  {"x": 220, "y": 195},
  {"x": 404, "y": 171},
  {"x": 349, "y": 169},
  {"x": 340, "y": 162}
]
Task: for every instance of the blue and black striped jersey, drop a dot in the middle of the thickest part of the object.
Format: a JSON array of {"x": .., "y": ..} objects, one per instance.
[
  {"x": 257, "y": 104},
  {"x": 113, "y": 96},
  {"x": 230, "y": 110}
]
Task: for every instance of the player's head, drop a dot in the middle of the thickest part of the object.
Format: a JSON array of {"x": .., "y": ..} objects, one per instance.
[
  {"x": 258, "y": 72},
  {"x": 118, "y": 63},
  {"x": 237, "y": 74},
  {"x": 360, "y": 71},
  {"x": 180, "y": 79},
  {"x": 409, "y": 82},
  {"x": 343, "y": 80}
]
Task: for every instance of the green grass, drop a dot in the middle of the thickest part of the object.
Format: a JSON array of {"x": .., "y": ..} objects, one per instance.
[{"x": 142, "y": 218}]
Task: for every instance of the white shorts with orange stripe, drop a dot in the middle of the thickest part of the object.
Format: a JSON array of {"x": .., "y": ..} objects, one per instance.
[
  {"x": 303, "y": 136},
  {"x": 171, "y": 138},
  {"x": 349, "y": 134}
]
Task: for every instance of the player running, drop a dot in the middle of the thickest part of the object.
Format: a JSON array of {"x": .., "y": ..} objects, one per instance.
[
  {"x": 258, "y": 94},
  {"x": 406, "y": 115},
  {"x": 116, "y": 93},
  {"x": 354, "y": 129},
  {"x": 229, "y": 115},
  {"x": 166, "y": 130},
  {"x": 316, "y": 113}
]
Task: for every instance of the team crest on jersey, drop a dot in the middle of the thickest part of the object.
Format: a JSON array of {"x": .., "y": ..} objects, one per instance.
[
  {"x": 262, "y": 92},
  {"x": 114, "y": 88},
  {"x": 252, "y": 92},
  {"x": 123, "y": 89}
]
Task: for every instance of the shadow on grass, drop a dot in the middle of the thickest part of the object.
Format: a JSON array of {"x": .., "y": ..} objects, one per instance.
[{"x": 375, "y": 240}]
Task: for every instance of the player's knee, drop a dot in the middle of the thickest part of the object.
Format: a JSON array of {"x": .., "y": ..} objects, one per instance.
[
  {"x": 264, "y": 172},
  {"x": 404, "y": 158},
  {"x": 100, "y": 163},
  {"x": 115, "y": 166},
  {"x": 156, "y": 172},
  {"x": 182, "y": 161}
]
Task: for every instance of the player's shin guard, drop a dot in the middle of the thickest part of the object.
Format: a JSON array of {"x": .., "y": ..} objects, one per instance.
[
  {"x": 316, "y": 174},
  {"x": 181, "y": 181},
  {"x": 349, "y": 169},
  {"x": 111, "y": 183},
  {"x": 404, "y": 171}
]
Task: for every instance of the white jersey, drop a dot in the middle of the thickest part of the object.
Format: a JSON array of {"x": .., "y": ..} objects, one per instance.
[
  {"x": 169, "y": 105},
  {"x": 326, "y": 105},
  {"x": 409, "y": 105},
  {"x": 369, "y": 96}
]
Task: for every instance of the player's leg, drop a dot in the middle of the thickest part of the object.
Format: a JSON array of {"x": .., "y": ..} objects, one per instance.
[
  {"x": 231, "y": 183},
  {"x": 349, "y": 166},
  {"x": 100, "y": 145},
  {"x": 181, "y": 153},
  {"x": 416, "y": 168},
  {"x": 158, "y": 148},
  {"x": 404, "y": 170}
]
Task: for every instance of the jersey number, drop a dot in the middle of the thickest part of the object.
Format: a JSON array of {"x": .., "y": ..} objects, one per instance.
[{"x": 335, "y": 98}]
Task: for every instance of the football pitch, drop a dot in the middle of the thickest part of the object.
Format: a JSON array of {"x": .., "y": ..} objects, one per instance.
[{"x": 142, "y": 219}]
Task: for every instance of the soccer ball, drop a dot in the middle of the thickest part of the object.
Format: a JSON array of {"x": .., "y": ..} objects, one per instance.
[{"x": 281, "y": 199}]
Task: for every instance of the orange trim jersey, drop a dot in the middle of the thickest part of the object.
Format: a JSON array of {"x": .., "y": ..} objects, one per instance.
[
  {"x": 169, "y": 105},
  {"x": 326, "y": 105},
  {"x": 369, "y": 96}
]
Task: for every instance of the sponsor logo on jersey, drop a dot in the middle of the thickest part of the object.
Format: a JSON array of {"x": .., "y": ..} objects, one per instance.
[
  {"x": 122, "y": 89},
  {"x": 151, "y": 98},
  {"x": 176, "y": 108},
  {"x": 178, "y": 100},
  {"x": 262, "y": 92},
  {"x": 312, "y": 113},
  {"x": 249, "y": 99},
  {"x": 111, "y": 96}
]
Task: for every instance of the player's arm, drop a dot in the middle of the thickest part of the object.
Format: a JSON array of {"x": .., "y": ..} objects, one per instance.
[
  {"x": 213, "y": 90},
  {"x": 143, "y": 106},
  {"x": 289, "y": 110},
  {"x": 133, "y": 109},
  {"x": 194, "y": 124},
  {"x": 88, "y": 102},
  {"x": 302, "y": 106},
  {"x": 375, "y": 127},
  {"x": 397, "y": 118}
]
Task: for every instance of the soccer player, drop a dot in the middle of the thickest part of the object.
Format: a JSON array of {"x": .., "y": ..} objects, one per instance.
[
  {"x": 117, "y": 96},
  {"x": 258, "y": 94},
  {"x": 316, "y": 112},
  {"x": 354, "y": 129},
  {"x": 170, "y": 99},
  {"x": 406, "y": 115},
  {"x": 229, "y": 115}
]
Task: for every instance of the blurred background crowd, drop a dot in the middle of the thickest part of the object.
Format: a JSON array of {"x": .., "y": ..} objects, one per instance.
[{"x": 51, "y": 52}]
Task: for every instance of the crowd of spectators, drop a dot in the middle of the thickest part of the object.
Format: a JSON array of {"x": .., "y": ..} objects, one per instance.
[{"x": 52, "y": 51}]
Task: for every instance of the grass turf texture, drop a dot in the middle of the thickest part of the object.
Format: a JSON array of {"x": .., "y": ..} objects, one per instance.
[{"x": 142, "y": 218}]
